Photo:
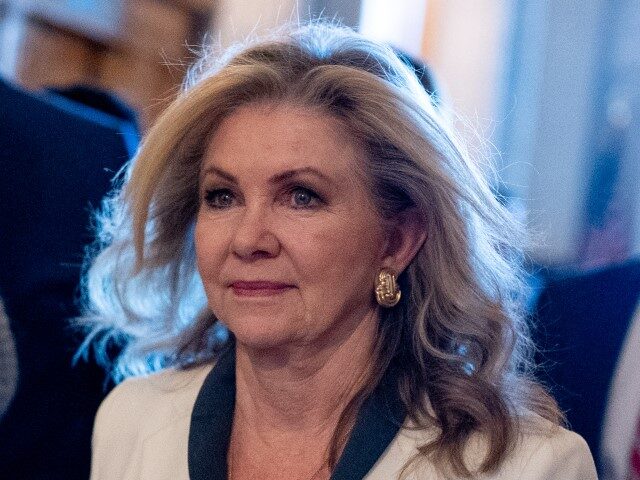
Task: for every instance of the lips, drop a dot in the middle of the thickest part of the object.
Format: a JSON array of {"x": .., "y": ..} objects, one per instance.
[{"x": 260, "y": 288}]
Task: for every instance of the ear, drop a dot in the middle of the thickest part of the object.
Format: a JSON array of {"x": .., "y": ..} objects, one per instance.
[{"x": 404, "y": 240}]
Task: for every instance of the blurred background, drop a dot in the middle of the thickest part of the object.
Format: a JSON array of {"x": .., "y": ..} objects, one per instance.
[{"x": 553, "y": 86}]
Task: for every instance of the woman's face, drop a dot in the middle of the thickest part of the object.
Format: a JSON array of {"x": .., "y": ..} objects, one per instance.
[{"x": 288, "y": 242}]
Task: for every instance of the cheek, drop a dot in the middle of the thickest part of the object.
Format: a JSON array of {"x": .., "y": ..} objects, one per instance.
[
  {"x": 338, "y": 254},
  {"x": 207, "y": 247}
]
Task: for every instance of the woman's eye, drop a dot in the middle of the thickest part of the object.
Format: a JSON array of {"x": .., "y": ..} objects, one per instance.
[
  {"x": 222, "y": 198},
  {"x": 303, "y": 198}
]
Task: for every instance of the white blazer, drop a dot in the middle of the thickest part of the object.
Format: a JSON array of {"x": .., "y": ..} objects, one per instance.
[{"x": 142, "y": 433}]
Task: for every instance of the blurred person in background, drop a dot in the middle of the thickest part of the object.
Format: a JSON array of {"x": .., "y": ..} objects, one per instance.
[
  {"x": 323, "y": 278},
  {"x": 588, "y": 329},
  {"x": 57, "y": 159},
  {"x": 8, "y": 363}
]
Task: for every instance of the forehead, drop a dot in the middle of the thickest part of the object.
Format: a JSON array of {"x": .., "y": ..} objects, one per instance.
[{"x": 269, "y": 138}]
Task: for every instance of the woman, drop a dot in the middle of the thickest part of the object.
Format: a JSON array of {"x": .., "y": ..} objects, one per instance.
[{"x": 326, "y": 279}]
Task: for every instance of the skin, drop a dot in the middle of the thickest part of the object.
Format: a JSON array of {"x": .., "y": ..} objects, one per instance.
[{"x": 288, "y": 244}]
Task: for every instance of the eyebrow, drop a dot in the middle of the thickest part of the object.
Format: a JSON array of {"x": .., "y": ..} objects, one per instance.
[
  {"x": 278, "y": 178},
  {"x": 221, "y": 173}
]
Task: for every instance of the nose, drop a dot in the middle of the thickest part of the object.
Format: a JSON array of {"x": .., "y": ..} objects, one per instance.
[{"x": 254, "y": 237}]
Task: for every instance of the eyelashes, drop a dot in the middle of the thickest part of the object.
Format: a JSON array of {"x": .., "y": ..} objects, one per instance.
[
  {"x": 302, "y": 197},
  {"x": 296, "y": 196},
  {"x": 219, "y": 198}
]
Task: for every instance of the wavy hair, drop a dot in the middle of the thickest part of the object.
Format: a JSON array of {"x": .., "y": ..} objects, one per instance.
[{"x": 458, "y": 336}]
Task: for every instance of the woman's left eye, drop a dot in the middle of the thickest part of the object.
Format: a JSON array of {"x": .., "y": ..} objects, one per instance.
[{"x": 303, "y": 198}]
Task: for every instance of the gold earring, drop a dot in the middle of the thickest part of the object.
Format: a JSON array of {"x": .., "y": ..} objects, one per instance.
[{"x": 387, "y": 290}]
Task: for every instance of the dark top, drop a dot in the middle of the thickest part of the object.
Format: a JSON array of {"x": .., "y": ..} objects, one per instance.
[
  {"x": 582, "y": 321},
  {"x": 57, "y": 159}
]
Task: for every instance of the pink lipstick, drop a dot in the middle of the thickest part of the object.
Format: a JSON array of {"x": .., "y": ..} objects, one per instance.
[{"x": 261, "y": 288}]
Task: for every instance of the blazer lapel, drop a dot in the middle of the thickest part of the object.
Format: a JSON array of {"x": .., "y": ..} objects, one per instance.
[{"x": 211, "y": 421}]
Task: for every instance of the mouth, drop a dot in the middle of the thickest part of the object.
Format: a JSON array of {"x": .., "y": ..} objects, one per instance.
[{"x": 260, "y": 288}]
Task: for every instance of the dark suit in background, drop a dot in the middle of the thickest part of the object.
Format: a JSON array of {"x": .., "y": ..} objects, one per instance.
[
  {"x": 57, "y": 158},
  {"x": 582, "y": 322}
]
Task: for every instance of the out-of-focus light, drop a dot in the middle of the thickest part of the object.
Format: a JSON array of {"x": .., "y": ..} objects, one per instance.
[
  {"x": 619, "y": 113},
  {"x": 399, "y": 23}
]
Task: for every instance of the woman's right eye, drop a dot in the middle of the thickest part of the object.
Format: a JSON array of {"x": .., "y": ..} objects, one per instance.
[{"x": 219, "y": 198}]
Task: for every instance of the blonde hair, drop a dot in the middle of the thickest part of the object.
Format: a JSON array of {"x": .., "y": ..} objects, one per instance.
[{"x": 458, "y": 336}]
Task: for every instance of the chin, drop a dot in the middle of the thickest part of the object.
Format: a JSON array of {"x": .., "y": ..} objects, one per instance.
[
  {"x": 262, "y": 332},
  {"x": 262, "y": 323}
]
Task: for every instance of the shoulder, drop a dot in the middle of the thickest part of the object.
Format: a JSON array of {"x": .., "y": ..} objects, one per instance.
[
  {"x": 543, "y": 451},
  {"x": 546, "y": 451},
  {"x": 141, "y": 413},
  {"x": 170, "y": 390}
]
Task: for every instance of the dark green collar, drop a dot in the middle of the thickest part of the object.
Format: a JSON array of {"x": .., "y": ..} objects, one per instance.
[{"x": 376, "y": 426}]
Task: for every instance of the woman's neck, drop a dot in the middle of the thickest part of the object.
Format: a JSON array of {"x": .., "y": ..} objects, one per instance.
[{"x": 289, "y": 401}]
